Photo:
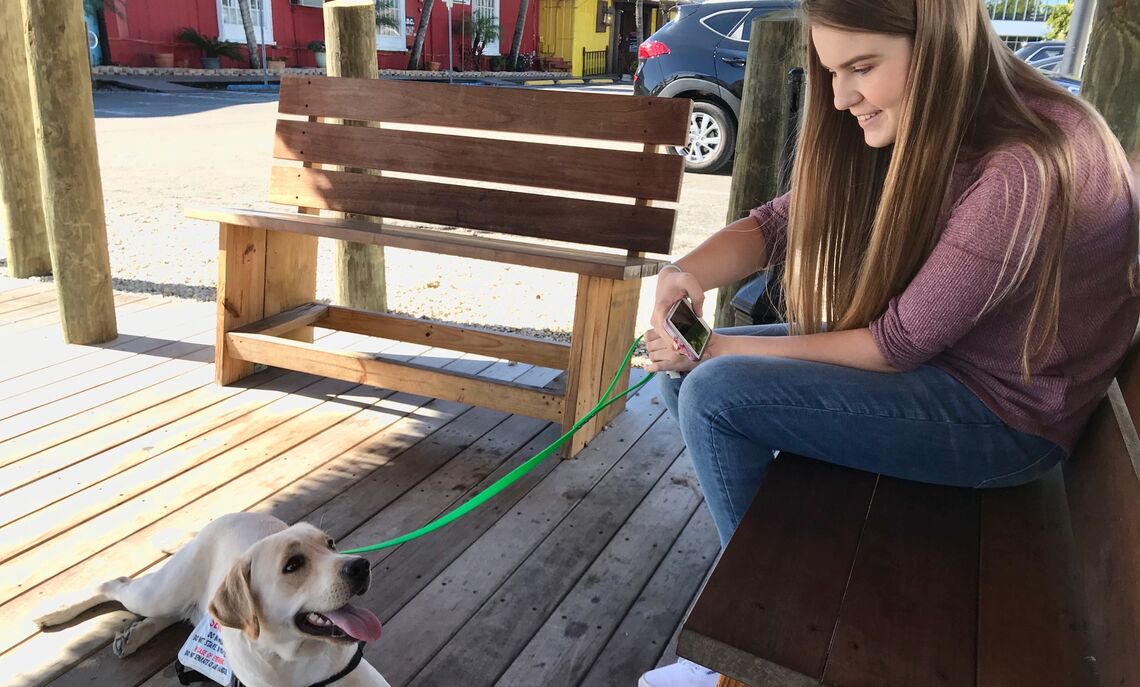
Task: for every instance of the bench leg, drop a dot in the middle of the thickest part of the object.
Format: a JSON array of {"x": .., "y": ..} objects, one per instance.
[
  {"x": 605, "y": 316},
  {"x": 260, "y": 273}
]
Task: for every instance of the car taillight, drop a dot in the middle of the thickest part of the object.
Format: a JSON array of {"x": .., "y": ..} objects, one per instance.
[{"x": 650, "y": 49}]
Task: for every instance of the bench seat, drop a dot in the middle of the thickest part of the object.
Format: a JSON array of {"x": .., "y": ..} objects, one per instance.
[
  {"x": 845, "y": 578},
  {"x": 618, "y": 266}
]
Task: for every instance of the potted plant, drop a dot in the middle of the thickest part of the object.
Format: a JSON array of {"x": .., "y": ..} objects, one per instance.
[
  {"x": 318, "y": 50},
  {"x": 211, "y": 46},
  {"x": 276, "y": 64}
]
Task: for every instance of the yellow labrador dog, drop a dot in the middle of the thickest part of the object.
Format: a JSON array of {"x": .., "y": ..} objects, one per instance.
[{"x": 279, "y": 593}]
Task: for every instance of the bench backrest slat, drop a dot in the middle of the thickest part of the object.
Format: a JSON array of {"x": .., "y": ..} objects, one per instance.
[
  {"x": 630, "y": 227},
  {"x": 365, "y": 161},
  {"x": 1104, "y": 503},
  {"x": 632, "y": 174},
  {"x": 576, "y": 115}
]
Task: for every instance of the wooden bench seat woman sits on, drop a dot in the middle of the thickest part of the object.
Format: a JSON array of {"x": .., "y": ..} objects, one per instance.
[{"x": 960, "y": 249}]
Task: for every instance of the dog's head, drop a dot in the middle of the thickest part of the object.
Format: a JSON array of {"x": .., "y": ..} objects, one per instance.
[{"x": 293, "y": 585}]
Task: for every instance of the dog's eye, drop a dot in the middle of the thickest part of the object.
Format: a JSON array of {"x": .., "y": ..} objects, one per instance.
[
  {"x": 332, "y": 545},
  {"x": 294, "y": 564}
]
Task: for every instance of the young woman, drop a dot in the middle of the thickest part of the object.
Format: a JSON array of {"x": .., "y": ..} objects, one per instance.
[{"x": 960, "y": 267}]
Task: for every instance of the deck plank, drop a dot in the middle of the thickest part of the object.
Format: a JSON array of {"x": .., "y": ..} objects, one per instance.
[
  {"x": 638, "y": 644},
  {"x": 417, "y": 631},
  {"x": 33, "y": 353},
  {"x": 618, "y": 575},
  {"x": 511, "y": 612}
]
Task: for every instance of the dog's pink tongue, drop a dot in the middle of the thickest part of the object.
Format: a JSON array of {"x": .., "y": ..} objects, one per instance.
[{"x": 359, "y": 623}]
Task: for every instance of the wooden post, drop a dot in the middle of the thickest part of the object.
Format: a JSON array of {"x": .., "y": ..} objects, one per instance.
[
  {"x": 60, "y": 78},
  {"x": 350, "y": 35},
  {"x": 21, "y": 201},
  {"x": 774, "y": 48},
  {"x": 1111, "y": 78}
]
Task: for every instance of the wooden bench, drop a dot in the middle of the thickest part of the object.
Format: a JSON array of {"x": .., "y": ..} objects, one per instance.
[
  {"x": 841, "y": 578},
  {"x": 510, "y": 178}
]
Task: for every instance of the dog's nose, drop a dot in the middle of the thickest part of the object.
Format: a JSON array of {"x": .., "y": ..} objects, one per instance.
[{"x": 357, "y": 570}]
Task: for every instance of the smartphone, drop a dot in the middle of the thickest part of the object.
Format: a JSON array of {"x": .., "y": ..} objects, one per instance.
[{"x": 689, "y": 332}]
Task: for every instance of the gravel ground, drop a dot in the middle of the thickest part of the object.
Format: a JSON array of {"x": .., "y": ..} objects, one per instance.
[{"x": 215, "y": 149}]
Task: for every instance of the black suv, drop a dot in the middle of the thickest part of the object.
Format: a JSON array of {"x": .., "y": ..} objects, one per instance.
[{"x": 700, "y": 55}]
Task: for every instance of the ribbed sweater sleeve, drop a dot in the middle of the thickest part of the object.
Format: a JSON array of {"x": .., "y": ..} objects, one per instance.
[
  {"x": 944, "y": 300},
  {"x": 773, "y": 220}
]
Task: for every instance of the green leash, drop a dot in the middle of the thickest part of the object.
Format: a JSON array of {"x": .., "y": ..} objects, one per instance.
[{"x": 513, "y": 476}]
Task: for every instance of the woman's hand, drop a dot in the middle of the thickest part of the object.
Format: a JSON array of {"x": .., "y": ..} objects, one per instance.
[
  {"x": 672, "y": 286},
  {"x": 664, "y": 355}
]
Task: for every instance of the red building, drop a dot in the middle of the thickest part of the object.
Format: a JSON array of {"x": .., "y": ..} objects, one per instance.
[{"x": 135, "y": 31}]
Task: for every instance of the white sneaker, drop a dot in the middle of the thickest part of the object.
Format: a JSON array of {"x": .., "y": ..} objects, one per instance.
[{"x": 683, "y": 673}]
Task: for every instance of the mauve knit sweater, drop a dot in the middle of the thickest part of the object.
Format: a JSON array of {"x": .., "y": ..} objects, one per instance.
[{"x": 934, "y": 320}]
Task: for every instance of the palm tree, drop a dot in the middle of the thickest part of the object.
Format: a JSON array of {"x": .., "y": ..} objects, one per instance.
[
  {"x": 250, "y": 40},
  {"x": 421, "y": 32},
  {"x": 516, "y": 40}
]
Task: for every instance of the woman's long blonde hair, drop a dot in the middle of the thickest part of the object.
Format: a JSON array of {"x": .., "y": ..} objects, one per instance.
[{"x": 863, "y": 220}]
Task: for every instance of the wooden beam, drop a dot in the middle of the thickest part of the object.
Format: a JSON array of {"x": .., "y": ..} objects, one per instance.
[
  {"x": 350, "y": 29},
  {"x": 522, "y": 349},
  {"x": 56, "y": 41},
  {"x": 775, "y": 47},
  {"x": 363, "y": 368},
  {"x": 21, "y": 200},
  {"x": 1111, "y": 78},
  {"x": 288, "y": 321},
  {"x": 578, "y": 261},
  {"x": 241, "y": 294}
]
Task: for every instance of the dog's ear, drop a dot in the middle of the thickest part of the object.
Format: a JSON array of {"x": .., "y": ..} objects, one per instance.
[{"x": 234, "y": 605}]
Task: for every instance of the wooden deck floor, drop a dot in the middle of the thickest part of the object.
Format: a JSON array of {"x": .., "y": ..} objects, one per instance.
[{"x": 109, "y": 455}]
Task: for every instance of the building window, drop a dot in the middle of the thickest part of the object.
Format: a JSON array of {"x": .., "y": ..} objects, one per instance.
[
  {"x": 390, "y": 25},
  {"x": 231, "y": 28},
  {"x": 489, "y": 8}
]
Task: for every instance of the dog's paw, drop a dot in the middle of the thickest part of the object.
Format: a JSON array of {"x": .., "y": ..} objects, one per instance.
[
  {"x": 53, "y": 618},
  {"x": 123, "y": 646}
]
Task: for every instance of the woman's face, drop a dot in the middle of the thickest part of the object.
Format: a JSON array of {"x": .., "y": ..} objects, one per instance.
[{"x": 868, "y": 77}]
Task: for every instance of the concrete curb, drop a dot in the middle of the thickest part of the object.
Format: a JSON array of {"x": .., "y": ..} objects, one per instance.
[{"x": 578, "y": 81}]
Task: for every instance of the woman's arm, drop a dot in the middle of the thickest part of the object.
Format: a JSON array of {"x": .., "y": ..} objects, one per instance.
[
  {"x": 732, "y": 253},
  {"x": 851, "y": 348}
]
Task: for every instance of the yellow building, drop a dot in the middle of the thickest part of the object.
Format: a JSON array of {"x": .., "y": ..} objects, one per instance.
[{"x": 591, "y": 37}]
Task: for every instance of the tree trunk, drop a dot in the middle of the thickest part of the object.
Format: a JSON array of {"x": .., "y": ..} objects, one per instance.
[
  {"x": 21, "y": 200},
  {"x": 250, "y": 38},
  {"x": 637, "y": 12},
  {"x": 1111, "y": 79},
  {"x": 516, "y": 40},
  {"x": 350, "y": 34},
  {"x": 69, "y": 166},
  {"x": 421, "y": 33},
  {"x": 775, "y": 47}
]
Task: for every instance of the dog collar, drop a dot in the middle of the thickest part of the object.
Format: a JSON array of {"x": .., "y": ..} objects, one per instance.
[
  {"x": 187, "y": 676},
  {"x": 347, "y": 669},
  {"x": 235, "y": 682}
]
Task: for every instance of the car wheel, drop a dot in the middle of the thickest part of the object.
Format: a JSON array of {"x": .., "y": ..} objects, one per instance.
[{"x": 712, "y": 138}]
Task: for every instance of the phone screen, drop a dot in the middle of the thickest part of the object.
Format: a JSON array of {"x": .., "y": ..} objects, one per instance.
[{"x": 695, "y": 333}]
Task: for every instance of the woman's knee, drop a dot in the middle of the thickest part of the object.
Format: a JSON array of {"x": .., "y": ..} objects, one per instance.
[{"x": 706, "y": 386}]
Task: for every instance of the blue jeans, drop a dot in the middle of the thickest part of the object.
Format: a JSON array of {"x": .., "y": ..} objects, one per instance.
[{"x": 922, "y": 425}]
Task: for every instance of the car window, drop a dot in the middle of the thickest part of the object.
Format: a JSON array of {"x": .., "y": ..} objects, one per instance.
[
  {"x": 724, "y": 22},
  {"x": 744, "y": 30}
]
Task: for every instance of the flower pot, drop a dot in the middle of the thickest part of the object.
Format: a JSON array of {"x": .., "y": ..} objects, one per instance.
[
  {"x": 435, "y": 66},
  {"x": 164, "y": 59},
  {"x": 211, "y": 62},
  {"x": 321, "y": 59},
  {"x": 275, "y": 66}
]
